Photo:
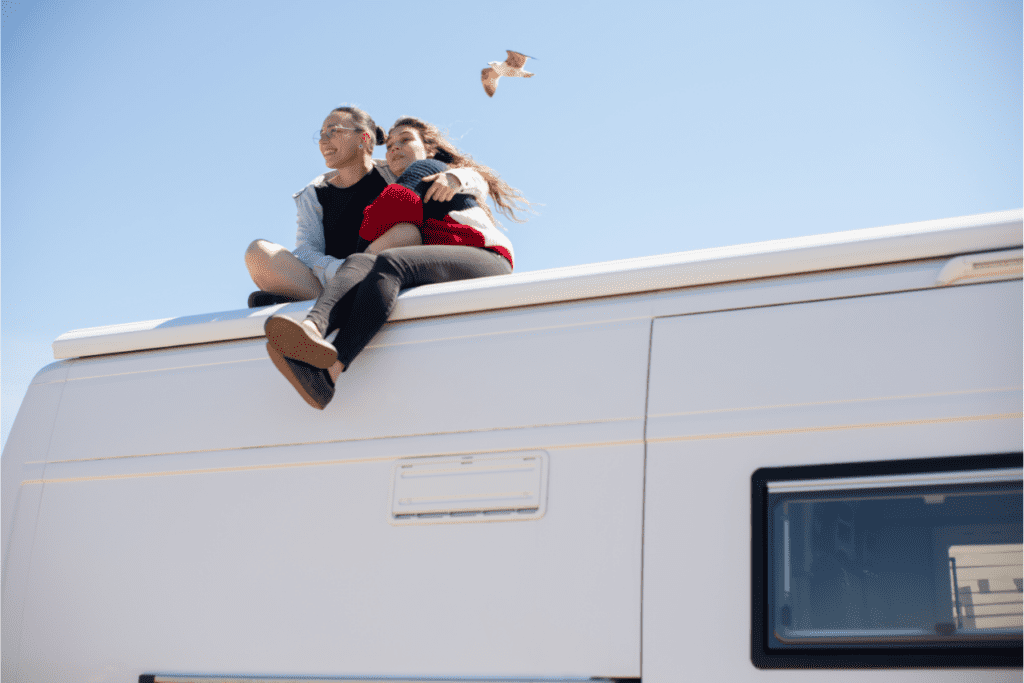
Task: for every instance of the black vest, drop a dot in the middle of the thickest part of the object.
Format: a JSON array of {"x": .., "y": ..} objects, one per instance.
[{"x": 343, "y": 212}]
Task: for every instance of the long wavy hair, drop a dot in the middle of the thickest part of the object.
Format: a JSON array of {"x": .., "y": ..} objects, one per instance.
[{"x": 506, "y": 198}]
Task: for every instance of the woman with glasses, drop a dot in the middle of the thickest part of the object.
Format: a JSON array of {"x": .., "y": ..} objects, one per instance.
[
  {"x": 330, "y": 211},
  {"x": 459, "y": 242}
]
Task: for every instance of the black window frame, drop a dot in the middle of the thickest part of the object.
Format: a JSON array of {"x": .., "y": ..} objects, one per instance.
[{"x": 980, "y": 655}]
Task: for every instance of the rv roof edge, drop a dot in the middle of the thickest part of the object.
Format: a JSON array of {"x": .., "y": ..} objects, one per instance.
[{"x": 872, "y": 246}]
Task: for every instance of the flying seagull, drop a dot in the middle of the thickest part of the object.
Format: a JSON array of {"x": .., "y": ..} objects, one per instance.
[{"x": 513, "y": 66}]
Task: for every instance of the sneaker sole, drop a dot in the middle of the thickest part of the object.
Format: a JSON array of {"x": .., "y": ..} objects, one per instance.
[
  {"x": 293, "y": 340},
  {"x": 282, "y": 365}
]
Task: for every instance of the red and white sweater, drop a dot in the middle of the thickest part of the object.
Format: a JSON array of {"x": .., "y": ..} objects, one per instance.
[{"x": 470, "y": 227}]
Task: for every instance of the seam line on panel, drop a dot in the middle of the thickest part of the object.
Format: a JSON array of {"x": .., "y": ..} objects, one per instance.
[
  {"x": 359, "y": 439},
  {"x": 842, "y": 297},
  {"x": 545, "y": 328},
  {"x": 643, "y": 490},
  {"x": 294, "y": 465},
  {"x": 845, "y": 401},
  {"x": 385, "y": 344},
  {"x": 167, "y": 369},
  {"x": 834, "y": 428}
]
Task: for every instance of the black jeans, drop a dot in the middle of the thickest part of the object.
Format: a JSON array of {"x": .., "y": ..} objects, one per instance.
[{"x": 360, "y": 297}]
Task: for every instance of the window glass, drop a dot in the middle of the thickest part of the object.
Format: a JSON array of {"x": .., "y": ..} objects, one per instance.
[{"x": 930, "y": 561}]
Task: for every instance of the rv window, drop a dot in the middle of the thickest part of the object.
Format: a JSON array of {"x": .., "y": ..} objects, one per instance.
[{"x": 874, "y": 558}]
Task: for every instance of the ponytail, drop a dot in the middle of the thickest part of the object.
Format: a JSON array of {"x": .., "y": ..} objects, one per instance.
[{"x": 364, "y": 123}]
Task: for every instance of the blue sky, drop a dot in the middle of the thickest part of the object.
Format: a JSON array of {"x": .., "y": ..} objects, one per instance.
[{"x": 145, "y": 144}]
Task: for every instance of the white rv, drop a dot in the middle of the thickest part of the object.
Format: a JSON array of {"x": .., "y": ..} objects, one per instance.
[{"x": 791, "y": 460}]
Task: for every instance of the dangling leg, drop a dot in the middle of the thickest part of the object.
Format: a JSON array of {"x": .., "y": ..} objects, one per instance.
[
  {"x": 305, "y": 341},
  {"x": 397, "y": 269},
  {"x": 332, "y": 309}
]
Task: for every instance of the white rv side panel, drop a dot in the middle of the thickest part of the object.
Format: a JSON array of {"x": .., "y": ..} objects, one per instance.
[
  {"x": 17, "y": 571},
  {"x": 199, "y": 480},
  {"x": 297, "y": 570},
  {"x": 23, "y": 467},
  {"x": 29, "y": 440},
  {"x": 906, "y": 375},
  {"x": 866, "y": 360},
  {"x": 501, "y": 370},
  {"x": 697, "y": 565}
]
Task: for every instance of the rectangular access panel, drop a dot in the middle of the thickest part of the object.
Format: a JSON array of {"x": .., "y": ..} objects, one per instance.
[
  {"x": 479, "y": 487},
  {"x": 899, "y": 563}
]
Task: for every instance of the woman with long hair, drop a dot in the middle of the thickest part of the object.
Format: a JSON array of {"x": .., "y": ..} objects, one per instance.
[{"x": 411, "y": 242}]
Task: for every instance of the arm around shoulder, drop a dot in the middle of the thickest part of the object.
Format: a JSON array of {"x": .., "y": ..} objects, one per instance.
[{"x": 472, "y": 183}]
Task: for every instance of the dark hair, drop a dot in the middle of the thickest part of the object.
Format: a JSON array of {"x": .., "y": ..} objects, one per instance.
[
  {"x": 364, "y": 123},
  {"x": 507, "y": 198}
]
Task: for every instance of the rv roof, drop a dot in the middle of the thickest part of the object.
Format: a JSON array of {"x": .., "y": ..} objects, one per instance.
[{"x": 907, "y": 242}]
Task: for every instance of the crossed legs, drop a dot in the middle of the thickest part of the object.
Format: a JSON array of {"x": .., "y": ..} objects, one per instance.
[
  {"x": 357, "y": 303},
  {"x": 360, "y": 298}
]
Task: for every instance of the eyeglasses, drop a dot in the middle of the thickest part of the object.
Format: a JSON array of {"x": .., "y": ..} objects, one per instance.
[{"x": 328, "y": 133}]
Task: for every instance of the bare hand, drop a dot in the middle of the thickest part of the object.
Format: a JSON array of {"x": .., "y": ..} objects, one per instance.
[{"x": 444, "y": 188}]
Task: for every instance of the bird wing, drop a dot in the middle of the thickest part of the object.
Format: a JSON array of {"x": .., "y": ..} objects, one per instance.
[
  {"x": 516, "y": 60},
  {"x": 489, "y": 77}
]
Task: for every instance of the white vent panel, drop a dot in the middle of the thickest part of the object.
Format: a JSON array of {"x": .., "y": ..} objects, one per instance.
[{"x": 469, "y": 488}]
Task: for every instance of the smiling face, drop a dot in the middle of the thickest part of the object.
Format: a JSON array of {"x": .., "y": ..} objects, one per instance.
[
  {"x": 341, "y": 147},
  {"x": 405, "y": 145}
]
